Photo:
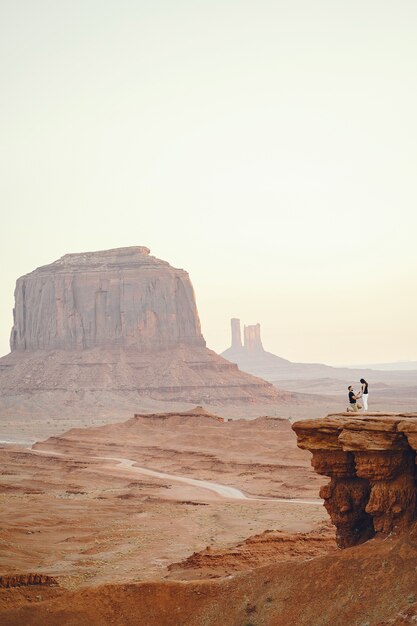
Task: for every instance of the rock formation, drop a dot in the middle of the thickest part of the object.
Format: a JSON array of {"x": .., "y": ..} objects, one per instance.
[
  {"x": 236, "y": 335},
  {"x": 197, "y": 412},
  {"x": 252, "y": 338},
  {"x": 251, "y": 356},
  {"x": 27, "y": 580},
  {"x": 371, "y": 462},
  {"x": 122, "y": 298},
  {"x": 115, "y": 321}
]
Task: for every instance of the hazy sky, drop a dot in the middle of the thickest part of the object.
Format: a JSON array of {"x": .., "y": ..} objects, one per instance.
[{"x": 269, "y": 148}]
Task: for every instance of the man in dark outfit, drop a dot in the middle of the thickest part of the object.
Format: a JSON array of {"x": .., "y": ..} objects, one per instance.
[{"x": 353, "y": 404}]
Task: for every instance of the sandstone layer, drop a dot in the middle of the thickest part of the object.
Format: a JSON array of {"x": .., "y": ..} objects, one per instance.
[
  {"x": 371, "y": 461},
  {"x": 256, "y": 551},
  {"x": 26, "y": 580},
  {"x": 119, "y": 321},
  {"x": 122, "y": 297}
]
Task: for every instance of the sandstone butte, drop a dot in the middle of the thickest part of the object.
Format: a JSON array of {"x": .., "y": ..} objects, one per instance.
[
  {"x": 116, "y": 321},
  {"x": 371, "y": 498}
]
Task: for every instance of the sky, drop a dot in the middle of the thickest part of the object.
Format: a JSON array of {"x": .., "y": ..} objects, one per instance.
[{"x": 268, "y": 148}]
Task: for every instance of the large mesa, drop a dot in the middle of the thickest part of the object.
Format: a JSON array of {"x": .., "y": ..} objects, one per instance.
[
  {"x": 122, "y": 297},
  {"x": 118, "y": 322}
]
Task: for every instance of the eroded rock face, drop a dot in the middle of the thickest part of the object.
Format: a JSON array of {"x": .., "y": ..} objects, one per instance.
[
  {"x": 252, "y": 338},
  {"x": 27, "y": 580},
  {"x": 122, "y": 297},
  {"x": 236, "y": 334},
  {"x": 346, "y": 500},
  {"x": 372, "y": 465},
  {"x": 115, "y": 321}
]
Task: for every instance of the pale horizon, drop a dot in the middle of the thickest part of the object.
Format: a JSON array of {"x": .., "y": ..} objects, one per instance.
[{"x": 268, "y": 149}]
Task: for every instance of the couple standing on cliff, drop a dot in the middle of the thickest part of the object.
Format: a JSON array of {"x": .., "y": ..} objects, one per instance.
[{"x": 353, "y": 398}]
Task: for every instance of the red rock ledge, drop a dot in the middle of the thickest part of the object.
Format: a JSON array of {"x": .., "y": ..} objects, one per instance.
[{"x": 371, "y": 462}]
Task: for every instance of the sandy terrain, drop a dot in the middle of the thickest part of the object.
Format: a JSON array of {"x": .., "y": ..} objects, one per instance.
[
  {"x": 184, "y": 519},
  {"x": 86, "y": 520},
  {"x": 318, "y": 397},
  {"x": 258, "y": 456},
  {"x": 26, "y": 420},
  {"x": 372, "y": 584}
]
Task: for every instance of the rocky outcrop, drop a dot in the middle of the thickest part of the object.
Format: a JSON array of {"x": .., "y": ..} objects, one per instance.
[
  {"x": 254, "y": 552},
  {"x": 315, "y": 378},
  {"x": 197, "y": 412},
  {"x": 123, "y": 298},
  {"x": 251, "y": 356},
  {"x": 252, "y": 338},
  {"x": 115, "y": 321},
  {"x": 236, "y": 334},
  {"x": 27, "y": 580},
  {"x": 371, "y": 461}
]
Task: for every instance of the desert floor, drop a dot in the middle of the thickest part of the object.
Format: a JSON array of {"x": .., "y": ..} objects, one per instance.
[{"x": 79, "y": 507}]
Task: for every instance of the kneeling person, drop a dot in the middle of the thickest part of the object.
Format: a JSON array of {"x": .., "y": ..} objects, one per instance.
[{"x": 354, "y": 406}]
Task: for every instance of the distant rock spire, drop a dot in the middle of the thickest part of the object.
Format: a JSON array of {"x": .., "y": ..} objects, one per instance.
[
  {"x": 236, "y": 334},
  {"x": 252, "y": 338}
]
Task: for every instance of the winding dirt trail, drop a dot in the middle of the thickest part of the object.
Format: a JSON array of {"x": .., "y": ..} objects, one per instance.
[{"x": 224, "y": 491}]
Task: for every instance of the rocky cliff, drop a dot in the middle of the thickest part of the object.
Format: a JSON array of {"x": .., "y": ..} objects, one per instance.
[
  {"x": 371, "y": 463},
  {"x": 122, "y": 297},
  {"x": 117, "y": 322}
]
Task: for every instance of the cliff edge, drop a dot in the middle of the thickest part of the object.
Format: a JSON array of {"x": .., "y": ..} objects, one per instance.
[{"x": 371, "y": 462}]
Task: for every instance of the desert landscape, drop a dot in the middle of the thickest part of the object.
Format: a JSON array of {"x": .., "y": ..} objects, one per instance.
[
  {"x": 139, "y": 496},
  {"x": 124, "y": 502},
  {"x": 208, "y": 339},
  {"x": 92, "y": 535},
  {"x": 314, "y": 389}
]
